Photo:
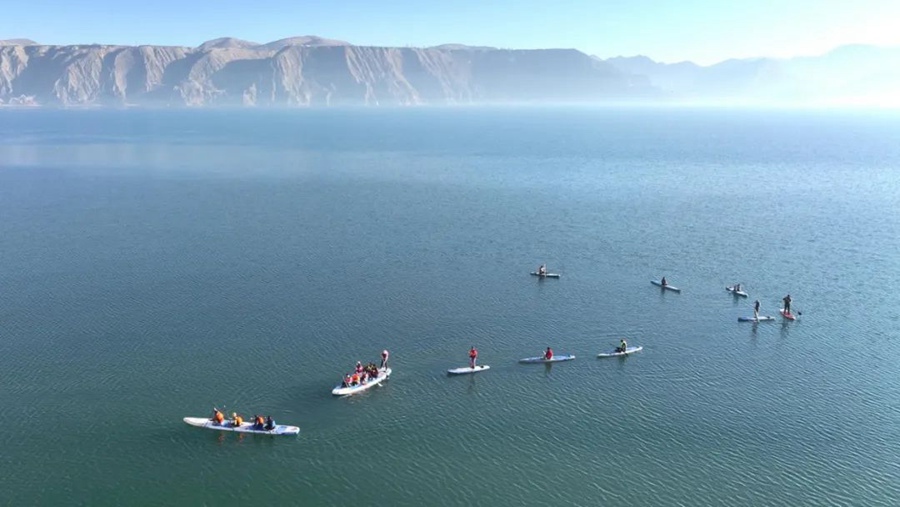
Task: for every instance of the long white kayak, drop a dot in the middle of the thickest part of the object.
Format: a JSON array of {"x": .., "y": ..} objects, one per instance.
[
  {"x": 736, "y": 292},
  {"x": 546, "y": 275},
  {"x": 340, "y": 390},
  {"x": 667, "y": 286},
  {"x": 467, "y": 369},
  {"x": 247, "y": 427},
  {"x": 542, "y": 359},
  {"x": 614, "y": 353},
  {"x": 762, "y": 318}
]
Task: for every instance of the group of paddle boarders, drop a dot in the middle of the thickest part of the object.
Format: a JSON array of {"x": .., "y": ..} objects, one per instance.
[
  {"x": 786, "y": 310},
  {"x": 361, "y": 375},
  {"x": 259, "y": 423}
]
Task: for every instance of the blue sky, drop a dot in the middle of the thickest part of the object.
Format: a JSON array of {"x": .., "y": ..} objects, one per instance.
[{"x": 705, "y": 31}]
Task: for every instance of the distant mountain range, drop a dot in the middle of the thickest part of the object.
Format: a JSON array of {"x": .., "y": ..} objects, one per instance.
[{"x": 313, "y": 71}]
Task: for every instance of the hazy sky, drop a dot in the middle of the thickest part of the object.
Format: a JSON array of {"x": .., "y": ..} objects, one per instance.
[{"x": 705, "y": 31}]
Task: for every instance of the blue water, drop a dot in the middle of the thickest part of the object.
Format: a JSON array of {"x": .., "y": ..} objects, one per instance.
[{"x": 156, "y": 263}]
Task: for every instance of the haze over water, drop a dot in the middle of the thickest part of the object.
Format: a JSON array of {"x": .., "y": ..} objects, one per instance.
[{"x": 156, "y": 263}]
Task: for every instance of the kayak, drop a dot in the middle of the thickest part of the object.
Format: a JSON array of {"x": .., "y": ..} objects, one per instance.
[
  {"x": 247, "y": 427},
  {"x": 340, "y": 390},
  {"x": 762, "y": 318},
  {"x": 546, "y": 275},
  {"x": 613, "y": 353},
  {"x": 540, "y": 359},
  {"x": 736, "y": 292},
  {"x": 463, "y": 371},
  {"x": 669, "y": 287},
  {"x": 787, "y": 315}
]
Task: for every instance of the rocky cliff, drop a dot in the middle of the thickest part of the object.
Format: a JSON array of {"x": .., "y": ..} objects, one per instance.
[{"x": 301, "y": 71}]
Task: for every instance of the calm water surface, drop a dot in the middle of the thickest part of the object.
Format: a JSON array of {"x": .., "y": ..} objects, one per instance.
[{"x": 154, "y": 264}]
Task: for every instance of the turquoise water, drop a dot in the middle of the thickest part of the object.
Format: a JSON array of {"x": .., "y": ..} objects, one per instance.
[{"x": 154, "y": 264}]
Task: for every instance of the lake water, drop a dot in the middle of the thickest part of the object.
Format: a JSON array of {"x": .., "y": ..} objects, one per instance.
[{"x": 154, "y": 264}]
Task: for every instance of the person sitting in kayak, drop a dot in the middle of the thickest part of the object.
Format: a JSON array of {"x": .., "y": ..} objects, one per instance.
[
  {"x": 664, "y": 282},
  {"x": 756, "y": 310},
  {"x": 259, "y": 423},
  {"x": 787, "y": 303},
  {"x": 737, "y": 287},
  {"x": 218, "y": 417},
  {"x": 384, "y": 358},
  {"x": 473, "y": 356},
  {"x": 270, "y": 423},
  {"x": 622, "y": 346},
  {"x": 548, "y": 354},
  {"x": 354, "y": 380},
  {"x": 359, "y": 367},
  {"x": 542, "y": 270},
  {"x": 237, "y": 420}
]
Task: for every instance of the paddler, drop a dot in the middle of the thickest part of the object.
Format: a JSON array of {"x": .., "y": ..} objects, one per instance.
[
  {"x": 237, "y": 420},
  {"x": 473, "y": 356},
  {"x": 756, "y": 310},
  {"x": 260, "y": 422},
  {"x": 270, "y": 423},
  {"x": 623, "y": 345},
  {"x": 384, "y": 358},
  {"x": 218, "y": 417},
  {"x": 542, "y": 270},
  {"x": 664, "y": 282},
  {"x": 548, "y": 354},
  {"x": 359, "y": 367},
  {"x": 787, "y": 303}
]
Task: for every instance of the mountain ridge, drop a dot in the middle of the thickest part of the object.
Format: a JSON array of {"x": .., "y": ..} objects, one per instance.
[{"x": 314, "y": 71}]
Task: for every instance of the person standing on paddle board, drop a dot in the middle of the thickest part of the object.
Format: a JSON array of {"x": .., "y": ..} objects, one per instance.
[
  {"x": 664, "y": 282},
  {"x": 756, "y": 310},
  {"x": 787, "y": 303},
  {"x": 473, "y": 356},
  {"x": 384, "y": 358}
]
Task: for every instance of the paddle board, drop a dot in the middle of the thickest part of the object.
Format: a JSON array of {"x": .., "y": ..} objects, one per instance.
[
  {"x": 247, "y": 427},
  {"x": 548, "y": 275},
  {"x": 787, "y": 315},
  {"x": 736, "y": 292},
  {"x": 340, "y": 390},
  {"x": 613, "y": 353},
  {"x": 463, "y": 371},
  {"x": 668, "y": 287},
  {"x": 762, "y": 318},
  {"x": 540, "y": 359}
]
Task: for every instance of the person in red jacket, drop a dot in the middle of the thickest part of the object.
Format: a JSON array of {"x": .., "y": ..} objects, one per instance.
[
  {"x": 473, "y": 356},
  {"x": 548, "y": 354}
]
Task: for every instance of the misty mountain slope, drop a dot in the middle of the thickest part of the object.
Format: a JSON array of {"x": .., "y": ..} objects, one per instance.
[
  {"x": 300, "y": 71},
  {"x": 314, "y": 71}
]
